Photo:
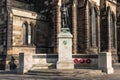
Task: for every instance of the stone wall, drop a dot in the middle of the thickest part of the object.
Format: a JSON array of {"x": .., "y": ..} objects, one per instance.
[
  {"x": 104, "y": 31},
  {"x": 49, "y": 61},
  {"x": 118, "y": 28},
  {"x": 15, "y": 54},
  {"x": 39, "y": 27},
  {"x": 106, "y": 11},
  {"x": 85, "y": 61},
  {"x": 3, "y": 27},
  {"x": 81, "y": 30},
  {"x": 19, "y": 4},
  {"x": 85, "y": 29}
]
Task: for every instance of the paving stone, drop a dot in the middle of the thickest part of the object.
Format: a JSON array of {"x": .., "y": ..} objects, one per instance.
[{"x": 80, "y": 76}]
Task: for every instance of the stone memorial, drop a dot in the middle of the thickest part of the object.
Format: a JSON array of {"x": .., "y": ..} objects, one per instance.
[
  {"x": 65, "y": 50},
  {"x": 65, "y": 43},
  {"x": 105, "y": 62}
]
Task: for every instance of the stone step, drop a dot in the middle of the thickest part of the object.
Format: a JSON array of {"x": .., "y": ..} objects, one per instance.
[
  {"x": 44, "y": 66},
  {"x": 8, "y": 72},
  {"x": 53, "y": 66},
  {"x": 116, "y": 65},
  {"x": 55, "y": 72}
]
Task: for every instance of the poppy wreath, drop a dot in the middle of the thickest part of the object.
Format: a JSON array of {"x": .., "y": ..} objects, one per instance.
[
  {"x": 88, "y": 61},
  {"x": 82, "y": 60},
  {"x": 76, "y": 61}
]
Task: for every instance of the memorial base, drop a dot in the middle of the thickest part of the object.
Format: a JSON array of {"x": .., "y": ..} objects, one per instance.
[
  {"x": 108, "y": 70},
  {"x": 65, "y": 65}
]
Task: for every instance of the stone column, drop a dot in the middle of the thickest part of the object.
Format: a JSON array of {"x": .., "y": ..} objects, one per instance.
[
  {"x": 109, "y": 33},
  {"x": 9, "y": 26},
  {"x": 98, "y": 17},
  {"x": 65, "y": 50},
  {"x": 87, "y": 12},
  {"x": 9, "y": 37},
  {"x": 105, "y": 62},
  {"x": 58, "y": 22},
  {"x": 74, "y": 21},
  {"x": 115, "y": 34}
]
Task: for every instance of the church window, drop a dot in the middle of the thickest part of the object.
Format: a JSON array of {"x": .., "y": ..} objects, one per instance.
[
  {"x": 93, "y": 28},
  {"x": 29, "y": 34},
  {"x": 25, "y": 26},
  {"x": 112, "y": 30}
]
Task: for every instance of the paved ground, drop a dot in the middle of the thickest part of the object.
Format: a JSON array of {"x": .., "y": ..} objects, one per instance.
[{"x": 76, "y": 76}]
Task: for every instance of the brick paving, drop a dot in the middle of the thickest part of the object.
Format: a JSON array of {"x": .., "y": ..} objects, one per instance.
[{"x": 80, "y": 76}]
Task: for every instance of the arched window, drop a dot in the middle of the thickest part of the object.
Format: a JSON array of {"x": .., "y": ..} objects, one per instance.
[
  {"x": 25, "y": 38},
  {"x": 32, "y": 33},
  {"x": 36, "y": 37},
  {"x": 29, "y": 34},
  {"x": 112, "y": 30},
  {"x": 93, "y": 28}
]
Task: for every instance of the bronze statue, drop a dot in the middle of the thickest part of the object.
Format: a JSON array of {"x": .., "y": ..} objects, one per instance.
[{"x": 64, "y": 16}]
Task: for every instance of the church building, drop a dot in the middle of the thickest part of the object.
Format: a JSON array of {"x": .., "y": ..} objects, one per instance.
[{"x": 32, "y": 26}]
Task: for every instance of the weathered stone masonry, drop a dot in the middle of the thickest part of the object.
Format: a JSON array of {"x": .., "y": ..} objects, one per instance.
[{"x": 90, "y": 25}]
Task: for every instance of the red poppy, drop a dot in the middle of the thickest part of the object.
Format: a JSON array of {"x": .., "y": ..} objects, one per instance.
[
  {"x": 76, "y": 61},
  {"x": 82, "y": 60},
  {"x": 88, "y": 61}
]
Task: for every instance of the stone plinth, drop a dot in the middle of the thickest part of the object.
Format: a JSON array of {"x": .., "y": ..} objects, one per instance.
[
  {"x": 25, "y": 63},
  {"x": 105, "y": 62},
  {"x": 65, "y": 50}
]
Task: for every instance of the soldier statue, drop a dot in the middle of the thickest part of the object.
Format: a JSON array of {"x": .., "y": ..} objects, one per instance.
[{"x": 64, "y": 16}]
